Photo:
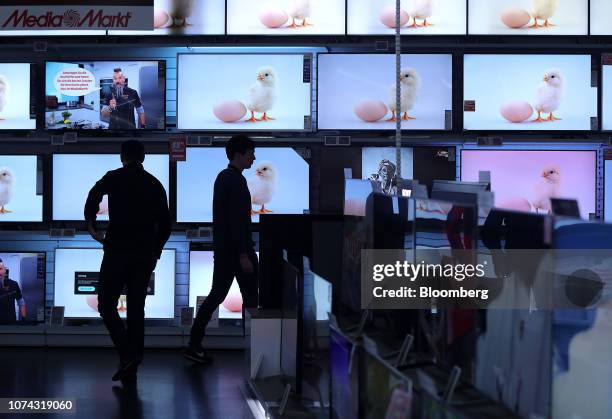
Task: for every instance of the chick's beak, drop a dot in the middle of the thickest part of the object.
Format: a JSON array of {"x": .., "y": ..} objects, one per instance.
[
  {"x": 260, "y": 77},
  {"x": 546, "y": 78}
]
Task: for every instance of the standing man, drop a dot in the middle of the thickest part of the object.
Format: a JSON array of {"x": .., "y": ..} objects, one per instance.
[
  {"x": 122, "y": 101},
  {"x": 233, "y": 244},
  {"x": 137, "y": 232},
  {"x": 10, "y": 293}
]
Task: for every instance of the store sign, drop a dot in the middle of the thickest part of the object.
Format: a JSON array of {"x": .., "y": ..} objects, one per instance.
[{"x": 33, "y": 15}]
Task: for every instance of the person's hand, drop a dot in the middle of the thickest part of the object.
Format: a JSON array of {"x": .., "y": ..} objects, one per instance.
[
  {"x": 113, "y": 104},
  {"x": 95, "y": 234},
  {"x": 245, "y": 264}
]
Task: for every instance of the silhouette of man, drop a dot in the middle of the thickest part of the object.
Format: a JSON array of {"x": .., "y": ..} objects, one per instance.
[
  {"x": 137, "y": 232},
  {"x": 233, "y": 246}
]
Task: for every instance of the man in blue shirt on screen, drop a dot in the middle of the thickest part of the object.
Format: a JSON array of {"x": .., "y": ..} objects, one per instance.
[{"x": 234, "y": 253}]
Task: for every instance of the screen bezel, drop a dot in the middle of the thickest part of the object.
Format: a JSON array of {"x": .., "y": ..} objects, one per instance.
[
  {"x": 44, "y": 285},
  {"x": 386, "y": 132},
  {"x": 304, "y": 56},
  {"x": 552, "y": 52},
  {"x": 172, "y": 250},
  {"x": 540, "y": 149},
  {"x": 89, "y": 132}
]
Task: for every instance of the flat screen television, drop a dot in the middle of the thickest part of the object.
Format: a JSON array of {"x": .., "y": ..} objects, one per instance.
[
  {"x": 377, "y": 17},
  {"x": 201, "y": 264},
  {"x": 178, "y": 17},
  {"x": 21, "y": 189},
  {"x": 518, "y": 17},
  {"x": 278, "y": 182},
  {"x": 105, "y": 95},
  {"x": 75, "y": 174},
  {"x": 608, "y": 191},
  {"x": 532, "y": 93},
  {"x": 286, "y": 17},
  {"x": 600, "y": 24},
  {"x": 77, "y": 272},
  {"x": 379, "y": 164},
  {"x": 315, "y": 344},
  {"x": 379, "y": 382},
  {"x": 606, "y": 92},
  {"x": 244, "y": 92},
  {"x": 357, "y": 92},
  {"x": 569, "y": 174},
  {"x": 17, "y": 96},
  {"x": 22, "y": 294}
]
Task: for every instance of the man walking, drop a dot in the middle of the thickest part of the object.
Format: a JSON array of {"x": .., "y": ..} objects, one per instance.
[
  {"x": 137, "y": 232},
  {"x": 233, "y": 245}
]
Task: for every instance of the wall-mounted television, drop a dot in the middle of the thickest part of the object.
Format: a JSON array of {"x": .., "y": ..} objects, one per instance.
[
  {"x": 278, "y": 182},
  {"x": 22, "y": 294},
  {"x": 532, "y": 93},
  {"x": 201, "y": 264},
  {"x": 17, "y": 96},
  {"x": 75, "y": 174},
  {"x": 543, "y": 175},
  {"x": 77, "y": 272},
  {"x": 105, "y": 95},
  {"x": 244, "y": 92},
  {"x": 357, "y": 92},
  {"x": 180, "y": 17},
  {"x": 286, "y": 17},
  {"x": 21, "y": 189},
  {"x": 528, "y": 17},
  {"x": 377, "y": 17}
]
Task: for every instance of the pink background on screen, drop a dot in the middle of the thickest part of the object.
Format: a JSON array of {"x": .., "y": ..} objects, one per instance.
[{"x": 514, "y": 174}]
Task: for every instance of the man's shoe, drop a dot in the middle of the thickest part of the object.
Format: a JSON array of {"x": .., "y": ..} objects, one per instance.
[
  {"x": 197, "y": 355},
  {"x": 126, "y": 370}
]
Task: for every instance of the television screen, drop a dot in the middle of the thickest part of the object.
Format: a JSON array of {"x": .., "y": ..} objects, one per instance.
[
  {"x": 75, "y": 174},
  {"x": 17, "y": 96},
  {"x": 344, "y": 379},
  {"x": 201, "y": 264},
  {"x": 381, "y": 381},
  {"x": 600, "y": 24},
  {"x": 357, "y": 92},
  {"x": 285, "y": 17},
  {"x": 21, "y": 191},
  {"x": 278, "y": 182},
  {"x": 252, "y": 92},
  {"x": 317, "y": 304},
  {"x": 22, "y": 295},
  {"x": 180, "y": 17},
  {"x": 532, "y": 93},
  {"x": 608, "y": 191},
  {"x": 543, "y": 175},
  {"x": 379, "y": 164},
  {"x": 377, "y": 17},
  {"x": 105, "y": 95},
  {"x": 77, "y": 272},
  {"x": 528, "y": 17},
  {"x": 606, "y": 96}
]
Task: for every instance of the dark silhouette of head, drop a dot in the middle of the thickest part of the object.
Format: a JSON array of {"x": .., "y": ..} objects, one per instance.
[
  {"x": 240, "y": 151},
  {"x": 132, "y": 151}
]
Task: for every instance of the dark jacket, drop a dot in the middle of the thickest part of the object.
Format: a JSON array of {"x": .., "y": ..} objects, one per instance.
[
  {"x": 232, "y": 214},
  {"x": 137, "y": 207}
]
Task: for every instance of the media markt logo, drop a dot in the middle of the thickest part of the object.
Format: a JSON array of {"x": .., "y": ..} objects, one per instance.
[{"x": 70, "y": 18}]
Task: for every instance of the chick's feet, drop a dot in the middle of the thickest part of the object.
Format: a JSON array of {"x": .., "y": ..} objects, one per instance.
[
  {"x": 252, "y": 118},
  {"x": 393, "y": 117},
  {"x": 407, "y": 117},
  {"x": 265, "y": 117},
  {"x": 539, "y": 118},
  {"x": 552, "y": 117},
  {"x": 547, "y": 24}
]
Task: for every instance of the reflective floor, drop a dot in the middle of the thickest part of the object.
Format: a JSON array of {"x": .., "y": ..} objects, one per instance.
[{"x": 168, "y": 387}]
